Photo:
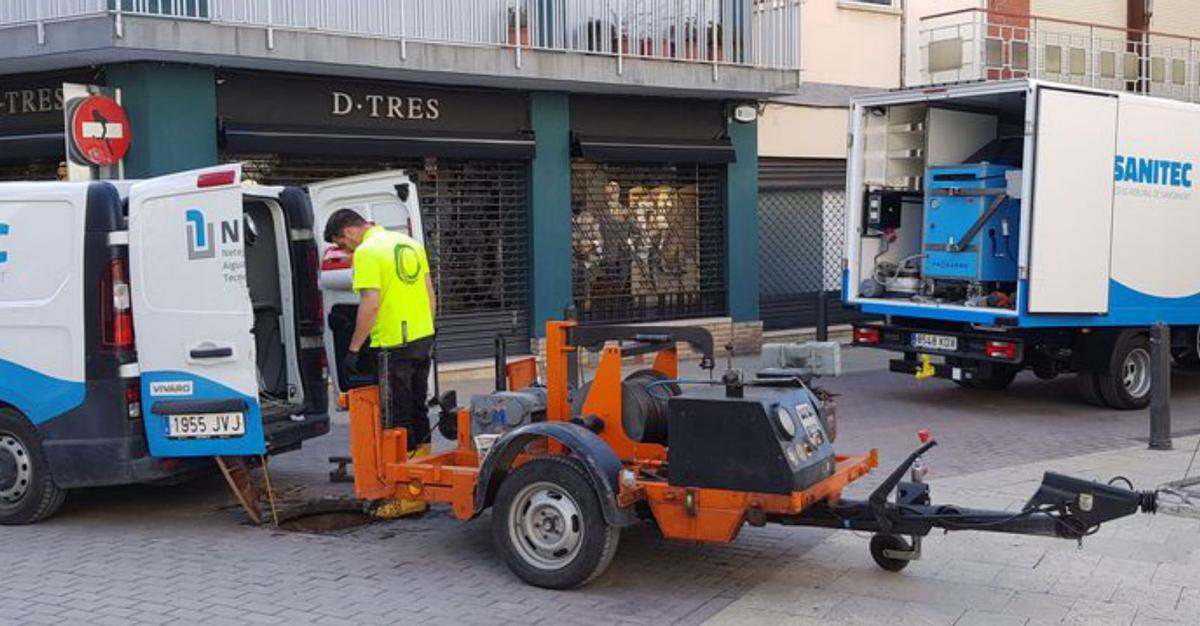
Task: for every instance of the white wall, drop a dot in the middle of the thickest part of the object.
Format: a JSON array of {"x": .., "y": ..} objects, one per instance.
[
  {"x": 848, "y": 43},
  {"x": 802, "y": 132},
  {"x": 1106, "y": 12},
  {"x": 1176, "y": 17}
]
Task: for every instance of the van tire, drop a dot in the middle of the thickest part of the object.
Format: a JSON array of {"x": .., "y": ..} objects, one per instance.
[
  {"x": 1125, "y": 385},
  {"x": 41, "y": 497}
]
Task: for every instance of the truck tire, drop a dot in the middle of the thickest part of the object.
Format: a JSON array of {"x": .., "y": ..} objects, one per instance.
[
  {"x": 1126, "y": 384},
  {"x": 548, "y": 524},
  {"x": 28, "y": 493},
  {"x": 1088, "y": 386}
]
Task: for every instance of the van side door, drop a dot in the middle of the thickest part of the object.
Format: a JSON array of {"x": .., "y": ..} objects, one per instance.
[
  {"x": 388, "y": 199},
  {"x": 192, "y": 315}
]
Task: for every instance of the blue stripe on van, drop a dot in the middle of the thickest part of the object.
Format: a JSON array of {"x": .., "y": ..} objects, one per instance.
[
  {"x": 40, "y": 397},
  {"x": 252, "y": 443}
]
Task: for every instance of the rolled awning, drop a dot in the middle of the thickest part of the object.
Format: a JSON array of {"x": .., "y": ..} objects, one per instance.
[
  {"x": 23, "y": 146},
  {"x": 261, "y": 139},
  {"x": 654, "y": 150}
]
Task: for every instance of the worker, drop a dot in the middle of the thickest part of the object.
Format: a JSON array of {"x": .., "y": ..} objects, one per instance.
[{"x": 396, "y": 314}]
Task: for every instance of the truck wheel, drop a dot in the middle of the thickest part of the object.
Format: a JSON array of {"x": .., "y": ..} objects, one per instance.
[
  {"x": 548, "y": 524},
  {"x": 1088, "y": 386},
  {"x": 1126, "y": 384},
  {"x": 27, "y": 490},
  {"x": 879, "y": 543}
]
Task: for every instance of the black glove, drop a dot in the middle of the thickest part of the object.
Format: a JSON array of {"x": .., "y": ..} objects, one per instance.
[{"x": 350, "y": 363}]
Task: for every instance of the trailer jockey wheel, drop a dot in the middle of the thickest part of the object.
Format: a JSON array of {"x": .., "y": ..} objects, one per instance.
[
  {"x": 548, "y": 524},
  {"x": 889, "y": 543}
]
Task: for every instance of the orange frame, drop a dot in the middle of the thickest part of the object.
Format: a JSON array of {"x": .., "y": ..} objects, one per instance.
[{"x": 384, "y": 471}]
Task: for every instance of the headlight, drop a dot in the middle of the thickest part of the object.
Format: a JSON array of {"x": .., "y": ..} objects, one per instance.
[{"x": 786, "y": 423}]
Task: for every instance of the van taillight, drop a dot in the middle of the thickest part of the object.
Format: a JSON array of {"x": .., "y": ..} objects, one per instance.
[
  {"x": 317, "y": 304},
  {"x": 116, "y": 310},
  {"x": 337, "y": 259}
]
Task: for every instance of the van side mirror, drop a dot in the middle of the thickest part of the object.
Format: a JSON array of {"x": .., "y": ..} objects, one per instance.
[{"x": 403, "y": 190}]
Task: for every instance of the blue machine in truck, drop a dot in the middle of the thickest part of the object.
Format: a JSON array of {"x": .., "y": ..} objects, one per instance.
[
  {"x": 970, "y": 224},
  {"x": 1016, "y": 225}
]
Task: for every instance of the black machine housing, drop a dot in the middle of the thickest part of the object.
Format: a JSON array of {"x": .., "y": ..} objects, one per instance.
[{"x": 770, "y": 440}]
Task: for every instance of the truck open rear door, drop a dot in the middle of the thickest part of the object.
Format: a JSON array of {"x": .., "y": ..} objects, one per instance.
[
  {"x": 1071, "y": 236},
  {"x": 192, "y": 315},
  {"x": 388, "y": 199}
]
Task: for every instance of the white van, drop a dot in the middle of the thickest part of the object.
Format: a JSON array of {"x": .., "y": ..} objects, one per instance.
[{"x": 146, "y": 325}]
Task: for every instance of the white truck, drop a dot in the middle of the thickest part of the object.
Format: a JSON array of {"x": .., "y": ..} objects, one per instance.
[
  {"x": 1023, "y": 224},
  {"x": 146, "y": 325}
]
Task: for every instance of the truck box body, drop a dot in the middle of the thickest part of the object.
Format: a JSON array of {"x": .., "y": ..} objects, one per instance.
[{"x": 1101, "y": 208}]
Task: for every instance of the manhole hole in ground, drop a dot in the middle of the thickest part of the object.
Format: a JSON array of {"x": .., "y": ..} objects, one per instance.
[{"x": 324, "y": 517}]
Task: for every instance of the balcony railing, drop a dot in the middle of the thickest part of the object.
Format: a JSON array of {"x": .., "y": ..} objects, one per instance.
[
  {"x": 755, "y": 33},
  {"x": 976, "y": 44}
]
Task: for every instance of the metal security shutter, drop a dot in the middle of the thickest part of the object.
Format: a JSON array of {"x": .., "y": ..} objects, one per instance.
[
  {"x": 29, "y": 169},
  {"x": 801, "y": 223},
  {"x": 476, "y": 217},
  {"x": 648, "y": 241}
]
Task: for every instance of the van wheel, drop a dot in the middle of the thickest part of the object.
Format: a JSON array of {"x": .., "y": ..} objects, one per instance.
[
  {"x": 1126, "y": 384},
  {"x": 548, "y": 524},
  {"x": 27, "y": 490}
]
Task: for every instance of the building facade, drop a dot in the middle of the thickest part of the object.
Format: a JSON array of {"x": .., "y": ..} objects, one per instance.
[{"x": 566, "y": 153}]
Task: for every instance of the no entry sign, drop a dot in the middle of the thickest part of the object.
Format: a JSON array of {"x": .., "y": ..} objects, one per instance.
[{"x": 99, "y": 131}]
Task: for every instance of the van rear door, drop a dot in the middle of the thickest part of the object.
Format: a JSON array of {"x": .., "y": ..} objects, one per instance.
[
  {"x": 192, "y": 315},
  {"x": 388, "y": 199}
]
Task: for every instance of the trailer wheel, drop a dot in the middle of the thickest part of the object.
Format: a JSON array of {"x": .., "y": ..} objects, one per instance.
[
  {"x": 548, "y": 524},
  {"x": 880, "y": 543},
  {"x": 1126, "y": 384},
  {"x": 28, "y": 493}
]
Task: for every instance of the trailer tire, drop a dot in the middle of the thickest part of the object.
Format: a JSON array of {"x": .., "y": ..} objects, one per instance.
[
  {"x": 1125, "y": 386},
  {"x": 1087, "y": 384},
  {"x": 882, "y": 542},
  {"x": 549, "y": 526},
  {"x": 28, "y": 493}
]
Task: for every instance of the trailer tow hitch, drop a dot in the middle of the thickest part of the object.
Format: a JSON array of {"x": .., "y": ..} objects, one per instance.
[{"x": 1063, "y": 506}]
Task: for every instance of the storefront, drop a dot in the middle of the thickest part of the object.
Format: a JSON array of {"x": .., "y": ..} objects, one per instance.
[
  {"x": 648, "y": 208},
  {"x": 468, "y": 151},
  {"x": 31, "y": 123}
]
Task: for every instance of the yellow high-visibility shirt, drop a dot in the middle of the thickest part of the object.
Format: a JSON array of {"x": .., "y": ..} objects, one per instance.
[{"x": 396, "y": 265}]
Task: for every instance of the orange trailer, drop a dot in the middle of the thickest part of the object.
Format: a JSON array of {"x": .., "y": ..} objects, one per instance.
[{"x": 756, "y": 451}]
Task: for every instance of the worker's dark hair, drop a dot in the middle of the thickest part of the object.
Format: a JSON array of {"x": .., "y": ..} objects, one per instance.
[{"x": 340, "y": 221}]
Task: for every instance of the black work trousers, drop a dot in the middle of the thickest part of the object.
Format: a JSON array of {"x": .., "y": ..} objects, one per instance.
[{"x": 408, "y": 371}]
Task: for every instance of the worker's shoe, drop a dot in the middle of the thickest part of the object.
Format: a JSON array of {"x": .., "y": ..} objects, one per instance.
[{"x": 394, "y": 509}]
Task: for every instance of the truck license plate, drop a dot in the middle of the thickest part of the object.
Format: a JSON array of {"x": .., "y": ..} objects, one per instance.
[
  {"x": 934, "y": 342},
  {"x": 206, "y": 426}
]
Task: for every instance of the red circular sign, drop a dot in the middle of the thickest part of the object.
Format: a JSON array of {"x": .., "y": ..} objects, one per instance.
[{"x": 100, "y": 130}]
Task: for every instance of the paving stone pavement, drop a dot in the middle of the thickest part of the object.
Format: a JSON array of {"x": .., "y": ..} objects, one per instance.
[
  {"x": 1140, "y": 570},
  {"x": 158, "y": 554}
]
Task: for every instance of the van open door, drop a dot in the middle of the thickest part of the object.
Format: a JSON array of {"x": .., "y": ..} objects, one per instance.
[
  {"x": 388, "y": 199},
  {"x": 192, "y": 315}
]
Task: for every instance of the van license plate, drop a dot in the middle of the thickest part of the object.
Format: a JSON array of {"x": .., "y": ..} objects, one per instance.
[
  {"x": 206, "y": 425},
  {"x": 941, "y": 343}
]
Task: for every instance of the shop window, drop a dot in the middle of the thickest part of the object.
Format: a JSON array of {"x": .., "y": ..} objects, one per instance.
[
  {"x": 29, "y": 169},
  {"x": 648, "y": 241}
]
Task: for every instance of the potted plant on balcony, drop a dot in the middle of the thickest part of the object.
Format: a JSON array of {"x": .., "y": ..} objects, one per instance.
[
  {"x": 686, "y": 48},
  {"x": 714, "y": 42},
  {"x": 518, "y": 27},
  {"x": 620, "y": 39}
]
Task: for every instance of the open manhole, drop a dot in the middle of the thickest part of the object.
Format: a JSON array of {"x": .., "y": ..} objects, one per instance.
[{"x": 322, "y": 517}]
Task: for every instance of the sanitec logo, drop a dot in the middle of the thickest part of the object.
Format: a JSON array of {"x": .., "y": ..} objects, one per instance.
[
  {"x": 3, "y": 233},
  {"x": 1131, "y": 169},
  {"x": 199, "y": 236}
]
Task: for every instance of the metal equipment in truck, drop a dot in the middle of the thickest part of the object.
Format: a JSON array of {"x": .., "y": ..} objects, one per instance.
[{"x": 564, "y": 467}]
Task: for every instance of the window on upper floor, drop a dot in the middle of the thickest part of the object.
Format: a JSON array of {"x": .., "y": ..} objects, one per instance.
[{"x": 874, "y": 3}]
